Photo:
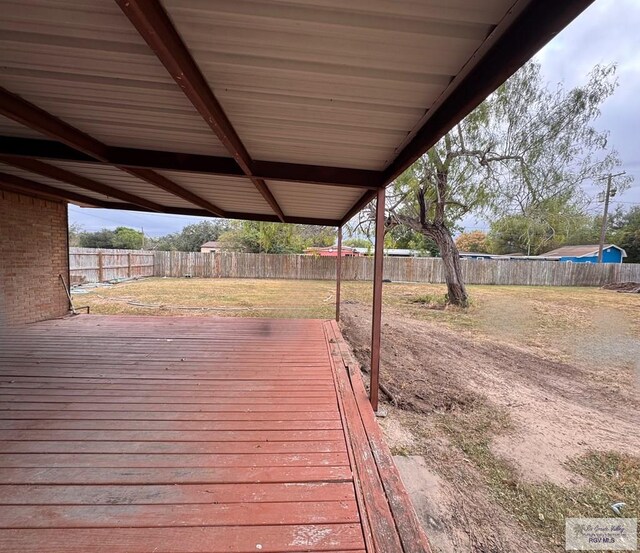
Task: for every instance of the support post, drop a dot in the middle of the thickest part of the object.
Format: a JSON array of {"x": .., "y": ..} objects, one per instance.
[
  {"x": 338, "y": 273},
  {"x": 608, "y": 194},
  {"x": 603, "y": 230},
  {"x": 128, "y": 265},
  {"x": 376, "y": 318}
]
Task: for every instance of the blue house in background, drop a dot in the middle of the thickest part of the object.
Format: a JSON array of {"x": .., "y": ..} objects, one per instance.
[{"x": 587, "y": 254}]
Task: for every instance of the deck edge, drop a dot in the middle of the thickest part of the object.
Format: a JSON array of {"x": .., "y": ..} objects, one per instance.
[{"x": 410, "y": 531}]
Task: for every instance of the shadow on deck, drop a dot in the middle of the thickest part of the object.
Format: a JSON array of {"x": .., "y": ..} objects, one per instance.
[{"x": 141, "y": 434}]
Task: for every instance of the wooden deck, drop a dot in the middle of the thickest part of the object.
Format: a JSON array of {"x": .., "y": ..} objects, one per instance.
[{"x": 176, "y": 435}]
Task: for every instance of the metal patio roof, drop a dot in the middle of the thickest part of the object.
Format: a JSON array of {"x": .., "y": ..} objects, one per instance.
[{"x": 292, "y": 111}]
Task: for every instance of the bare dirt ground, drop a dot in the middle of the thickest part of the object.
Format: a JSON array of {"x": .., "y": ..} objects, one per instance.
[{"x": 456, "y": 392}]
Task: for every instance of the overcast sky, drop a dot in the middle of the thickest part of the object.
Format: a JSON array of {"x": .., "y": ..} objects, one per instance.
[{"x": 607, "y": 32}]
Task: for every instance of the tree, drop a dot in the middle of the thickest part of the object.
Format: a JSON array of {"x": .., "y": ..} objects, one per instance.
[
  {"x": 75, "y": 230},
  {"x": 405, "y": 238},
  {"x": 523, "y": 146},
  {"x": 474, "y": 241},
  {"x": 626, "y": 233},
  {"x": 121, "y": 238},
  {"x": 191, "y": 237},
  {"x": 259, "y": 237},
  {"x": 99, "y": 239},
  {"x": 552, "y": 224},
  {"x": 358, "y": 243},
  {"x": 127, "y": 239},
  {"x": 313, "y": 235}
]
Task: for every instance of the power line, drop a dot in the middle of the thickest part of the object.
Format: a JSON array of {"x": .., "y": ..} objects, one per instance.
[{"x": 97, "y": 217}]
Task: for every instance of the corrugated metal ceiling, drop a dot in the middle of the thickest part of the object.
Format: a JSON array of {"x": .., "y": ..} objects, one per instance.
[
  {"x": 315, "y": 82},
  {"x": 228, "y": 193},
  {"x": 305, "y": 81},
  {"x": 83, "y": 62},
  {"x": 307, "y": 200},
  {"x": 123, "y": 181},
  {"x": 54, "y": 183}
]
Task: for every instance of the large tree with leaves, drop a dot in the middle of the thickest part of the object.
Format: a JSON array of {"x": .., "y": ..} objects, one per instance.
[
  {"x": 625, "y": 232},
  {"x": 260, "y": 237},
  {"x": 120, "y": 238},
  {"x": 545, "y": 226},
  {"x": 523, "y": 146}
]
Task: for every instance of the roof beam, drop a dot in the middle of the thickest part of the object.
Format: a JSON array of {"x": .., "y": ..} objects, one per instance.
[
  {"x": 538, "y": 23},
  {"x": 17, "y": 108},
  {"x": 21, "y": 185},
  {"x": 51, "y": 171},
  {"x": 318, "y": 174},
  {"x": 155, "y": 27},
  {"x": 268, "y": 217},
  {"x": 168, "y": 185},
  {"x": 195, "y": 163},
  {"x": 365, "y": 199}
]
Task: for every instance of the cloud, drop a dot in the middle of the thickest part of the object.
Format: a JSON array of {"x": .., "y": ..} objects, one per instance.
[{"x": 607, "y": 32}]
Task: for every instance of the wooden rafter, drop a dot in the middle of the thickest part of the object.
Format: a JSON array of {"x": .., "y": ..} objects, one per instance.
[
  {"x": 538, "y": 23},
  {"x": 51, "y": 171},
  {"x": 366, "y": 198},
  {"x": 153, "y": 24},
  {"x": 20, "y": 185},
  {"x": 194, "y": 163},
  {"x": 17, "y": 108}
]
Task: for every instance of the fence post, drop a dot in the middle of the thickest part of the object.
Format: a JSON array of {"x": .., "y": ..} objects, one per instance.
[
  {"x": 244, "y": 265},
  {"x": 100, "y": 268}
]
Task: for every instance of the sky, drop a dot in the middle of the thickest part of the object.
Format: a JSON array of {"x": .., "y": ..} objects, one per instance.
[{"x": 607, "y": 32}]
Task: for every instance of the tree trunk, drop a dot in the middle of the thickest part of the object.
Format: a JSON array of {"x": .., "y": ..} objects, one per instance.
[{"x": 456, "y": 291}]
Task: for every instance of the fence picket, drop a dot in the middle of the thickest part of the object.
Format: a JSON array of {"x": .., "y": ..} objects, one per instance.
[{"x": 86, "y": 267}]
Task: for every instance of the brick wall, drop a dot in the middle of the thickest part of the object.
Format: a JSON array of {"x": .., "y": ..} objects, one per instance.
[{"x": 33, "y": 252}]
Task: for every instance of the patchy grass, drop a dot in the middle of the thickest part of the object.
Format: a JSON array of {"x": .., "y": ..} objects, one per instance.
[
  {"x": 562, "y": 321},
  {"x": 214, "y": 297},
  {"x": 541, "y": 508},
  {"x": 431, "y": 301}
]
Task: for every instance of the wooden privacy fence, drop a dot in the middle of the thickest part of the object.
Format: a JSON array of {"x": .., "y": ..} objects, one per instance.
[
  {"x": 410, "y": 269},
  {"x": 90, "y": 265}
]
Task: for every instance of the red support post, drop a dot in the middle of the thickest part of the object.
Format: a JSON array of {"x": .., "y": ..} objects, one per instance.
[
  {"x": 338, "y": 273},
  {"x": 377, "y": 300}
]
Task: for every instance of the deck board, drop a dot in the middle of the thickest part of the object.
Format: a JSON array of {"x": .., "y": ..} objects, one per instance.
[{"x": 178, "y": 434}]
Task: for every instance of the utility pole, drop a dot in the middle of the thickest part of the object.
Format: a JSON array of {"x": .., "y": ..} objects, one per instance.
[
  {"x": 142, "y": 229},
  {"x": 608, "y": 194}
]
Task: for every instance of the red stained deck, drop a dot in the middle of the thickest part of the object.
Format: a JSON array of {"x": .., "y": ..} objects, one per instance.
[{"x": 142, "y": 434}]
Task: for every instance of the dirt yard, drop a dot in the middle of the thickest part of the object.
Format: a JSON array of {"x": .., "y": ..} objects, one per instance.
[{"x": 505, "y": 418}]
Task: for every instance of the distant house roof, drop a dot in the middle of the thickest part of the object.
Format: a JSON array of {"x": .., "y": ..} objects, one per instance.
[
  {"x": 212, "y": 244},
  {"x": 331, "y": 251},
  {"x": 585, "y": 250},
  {"x": 475, "y": 254},
  {"x": 329, "y": 248},
  {"x": 392, "y": 252}
]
